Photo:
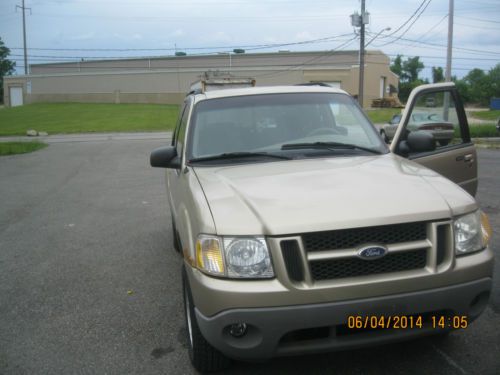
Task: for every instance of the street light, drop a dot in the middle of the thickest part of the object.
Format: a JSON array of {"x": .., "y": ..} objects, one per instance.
[{"x": 376, "y": 36}]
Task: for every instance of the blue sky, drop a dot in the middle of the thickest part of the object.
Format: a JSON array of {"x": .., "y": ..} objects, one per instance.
[{"x": 98, "y": 28}]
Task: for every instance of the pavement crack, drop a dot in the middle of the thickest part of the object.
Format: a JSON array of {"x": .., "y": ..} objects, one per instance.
[{"x": 449, "y": 360}]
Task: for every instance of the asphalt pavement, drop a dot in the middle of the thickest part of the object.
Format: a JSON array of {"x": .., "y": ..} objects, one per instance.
[{"x": 89, "y": 283}]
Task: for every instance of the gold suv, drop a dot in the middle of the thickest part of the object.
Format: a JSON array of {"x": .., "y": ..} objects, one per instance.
[{"x": 302, "y": 231}]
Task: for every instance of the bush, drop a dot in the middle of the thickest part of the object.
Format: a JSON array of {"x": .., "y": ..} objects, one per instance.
[{"x": 484, "y": 131}]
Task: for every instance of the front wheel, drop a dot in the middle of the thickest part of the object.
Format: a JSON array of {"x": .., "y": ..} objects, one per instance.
[{"x": 203, "y": 356}]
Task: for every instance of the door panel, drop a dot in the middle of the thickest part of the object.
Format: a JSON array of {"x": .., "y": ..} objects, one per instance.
[
  {"x": 458, "y": 165},
  {"x": 437, "y": 109}
]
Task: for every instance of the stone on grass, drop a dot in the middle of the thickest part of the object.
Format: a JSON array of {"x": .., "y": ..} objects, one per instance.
[{"x": 31, "y": 133}]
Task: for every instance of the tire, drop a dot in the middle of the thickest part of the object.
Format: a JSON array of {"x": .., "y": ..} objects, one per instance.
[
  {"x": 384, "y": 136},
  {"x": 444, "y": 142},
  {"x": 204, "y": 357}
]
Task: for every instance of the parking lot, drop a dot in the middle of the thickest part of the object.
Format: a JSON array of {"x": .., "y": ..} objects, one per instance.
[{"x": 89, "y": 283}]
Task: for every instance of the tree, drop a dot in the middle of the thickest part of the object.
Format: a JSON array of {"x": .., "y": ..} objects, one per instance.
[
  {"x": 494, "y": 80},
  {"x": 6, "y": 66},
  {"x": 478, "y": 83},
  {"x": 478, "y": 86},
  {"x": 397, "y": 65},
  {"x": 463, "y": 90},
  {"x": 408, "y": 74},
  {"x": 437, "y": 74},
  {"x": 411, "y": 67}
]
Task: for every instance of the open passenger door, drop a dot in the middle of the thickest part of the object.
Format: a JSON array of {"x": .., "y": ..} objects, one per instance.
[{"x": 434, "y": 132}]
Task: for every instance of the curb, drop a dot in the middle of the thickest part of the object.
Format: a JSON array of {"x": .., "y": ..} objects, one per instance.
[
  {"x": 90, "y": 137},
  {"x": 487, "y": 142}
]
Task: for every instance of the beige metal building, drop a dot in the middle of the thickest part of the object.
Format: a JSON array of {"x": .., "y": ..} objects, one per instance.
[{"x": 167, "y": 79}]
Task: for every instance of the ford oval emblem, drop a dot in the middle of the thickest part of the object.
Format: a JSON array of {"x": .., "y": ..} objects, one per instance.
[{"x": 372, "y": 252}]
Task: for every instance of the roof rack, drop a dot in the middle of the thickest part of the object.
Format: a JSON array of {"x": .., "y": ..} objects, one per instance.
[
  {"x": 194, "y": 92},
  {"x": 313, "y": 84},
  {"x": 219, "y": 82}
]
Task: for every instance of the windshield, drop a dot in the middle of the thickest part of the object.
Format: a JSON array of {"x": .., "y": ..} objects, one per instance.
[{"x": 264, "y": 123}]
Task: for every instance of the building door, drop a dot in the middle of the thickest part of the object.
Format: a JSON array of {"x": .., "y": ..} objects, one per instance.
[
  {"x": 382, "y": 87},
  {"x": 16, "y": 96}
]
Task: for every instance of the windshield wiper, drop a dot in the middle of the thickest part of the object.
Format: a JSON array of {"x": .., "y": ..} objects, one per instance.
[
  {"x": 235, "y": 155},
  {"x": 327, "y": 146}
]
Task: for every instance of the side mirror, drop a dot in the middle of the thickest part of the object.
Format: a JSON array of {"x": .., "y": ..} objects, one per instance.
[
  {"x": 421, "y": 141},
  {"x": 165, "y": 157}
]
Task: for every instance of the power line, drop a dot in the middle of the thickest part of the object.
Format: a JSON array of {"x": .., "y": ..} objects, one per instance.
[
  {"x": 218, "y": 19},
  {"x": 250, "y": 47},
  {"x": 478, "y": 26},
  {"x": 408, "y": 20},
  {"x": 432, "y": 28},
  {"x": 329, "y": 53},
  {"x": 274, "y": 72},
  {"x": 409, "y": 27},
  {"x": 478, "y": 19},
  {"x": 476, "y": 51},
  {"x": 443, "y": 57}
]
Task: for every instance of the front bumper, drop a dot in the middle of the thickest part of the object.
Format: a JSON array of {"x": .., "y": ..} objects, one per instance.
[{"x": 310, "y": 328}]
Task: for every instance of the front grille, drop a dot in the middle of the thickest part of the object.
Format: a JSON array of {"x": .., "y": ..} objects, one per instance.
[
  {"x": 349, "y": 238},
  {"x": 352, "y": 267},
  {"x": 293, "y": 262}
]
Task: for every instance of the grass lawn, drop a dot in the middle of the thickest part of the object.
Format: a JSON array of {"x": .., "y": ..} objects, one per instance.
[
  {"x": 492, "y": 115},
  {"x": 480, "y": 131},
  {"x": 57, "y": 118},
  {"x": 11, "y": 148},
  {"x": 382, "y": 115}
]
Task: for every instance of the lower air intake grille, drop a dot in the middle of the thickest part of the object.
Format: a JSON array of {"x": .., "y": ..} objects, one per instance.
[{"x": 352, "y": 267}]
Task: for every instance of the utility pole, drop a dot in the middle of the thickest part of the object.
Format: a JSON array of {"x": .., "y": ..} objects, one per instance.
[
  {"x": 23, "y": 9},
  {"x": 447, "y": 75},
  {"x": 360, "y": 20},
  {"x": 450, "y": 41},
  {"x": 361, "y": 55}
]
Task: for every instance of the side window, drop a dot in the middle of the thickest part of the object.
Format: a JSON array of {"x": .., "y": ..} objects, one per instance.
[
  {"x": 180, "y": 131},
  {"x": 436, "y": 113}
]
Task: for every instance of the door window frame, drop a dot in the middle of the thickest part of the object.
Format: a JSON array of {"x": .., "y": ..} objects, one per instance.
[{"x": 461, "y": 116}]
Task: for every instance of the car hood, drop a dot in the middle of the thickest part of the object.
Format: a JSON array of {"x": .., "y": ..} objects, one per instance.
[{"x": 297, "y": 196}]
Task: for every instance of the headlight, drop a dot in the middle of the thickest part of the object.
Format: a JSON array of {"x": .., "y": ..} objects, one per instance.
[
  {"x": 469, "y": 234},
  {"x": 247, "y": 258},
  {"x": 234, "y": 257}
]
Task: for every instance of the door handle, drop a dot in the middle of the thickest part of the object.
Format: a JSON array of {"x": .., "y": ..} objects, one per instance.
[{"x": 465, "y": 158}]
